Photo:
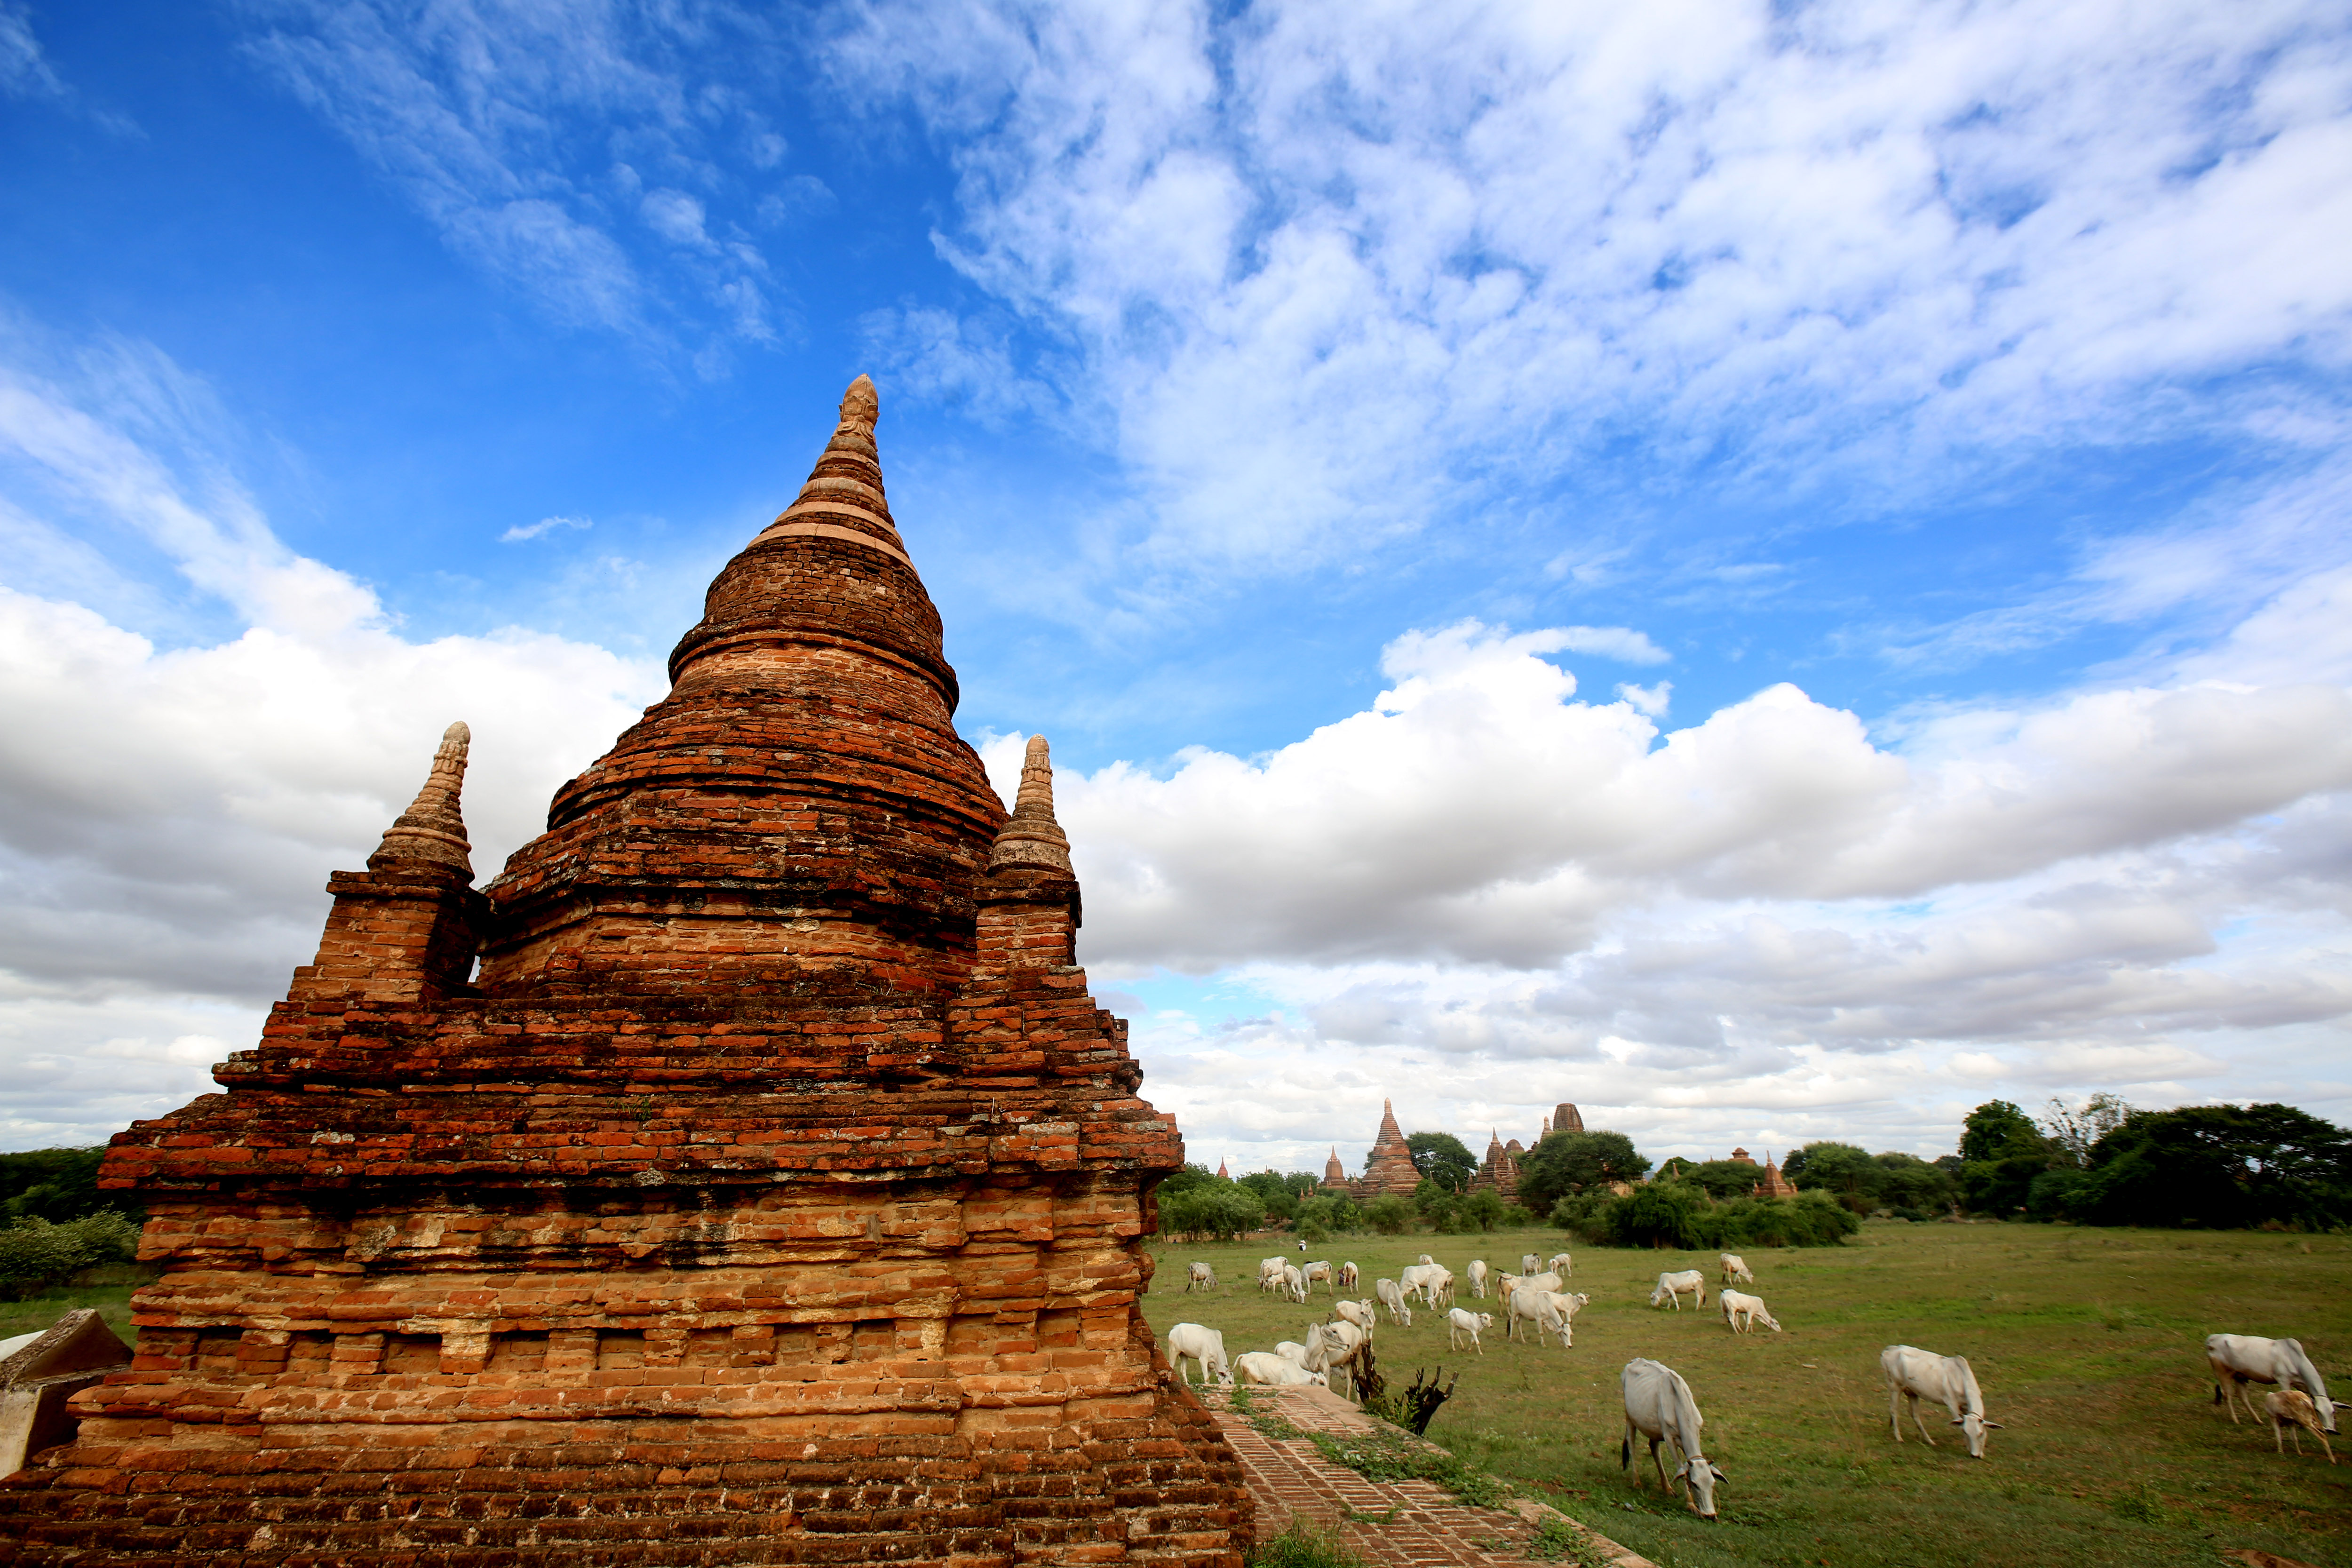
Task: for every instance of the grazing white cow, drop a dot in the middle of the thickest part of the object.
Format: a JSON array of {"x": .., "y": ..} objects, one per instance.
[
  {"x": 1346, "y": 1277},
  {"x": 2240, "y": 1358},
  {"x": 1424, "y": 1260},
  {"x": 1294, "y": 1283},
  {"x": 1947, "y": 1379},
  {"x": 1461, "y": 1322},
  {"x": 1333, "y": 1349},
  {"x": 1271, "y": 1371},
  {"x": 1392, "y": 1296},
  {"x": 1364, "y": 1314},
  {"x": 1550, "y": 1311},
  {"x": 1529, "y": 1263},
  {"x": 1190, "y": 1341},
  {"x": 1199, "y": 1277},
  {"x": 1562, "y": 1265},
  {"x": 1735, "y": 1267},
  {"x": 1658, "y": 1405},
  {"x": 1269, "y": 1273},
  {"x": 1742, "y": 1313},
  {"x": 1322, "y": 1271},
  {"x": 2293, "y": 1407},
  {"x": 1675, "y": 1287},
  {"x": 1431, "y": 1281},
  {"x": 1477, "y": 1274},
  {"x": 1412, "y": 1279}
]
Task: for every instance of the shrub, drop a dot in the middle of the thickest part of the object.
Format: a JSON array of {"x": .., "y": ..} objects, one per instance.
[
  {"x": 1220, "y": 1211},
  {"x": 35, "y": 1254},
  {"x": 1389, "y": 1214}
]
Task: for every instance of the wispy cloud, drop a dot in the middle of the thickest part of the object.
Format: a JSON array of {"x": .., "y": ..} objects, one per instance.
[
  {"x": 500, "y": 122},
  {"x": 543, "y": 527}
]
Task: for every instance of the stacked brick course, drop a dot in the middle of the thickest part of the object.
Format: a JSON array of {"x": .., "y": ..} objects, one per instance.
[{"x": 774, "y": 1194}]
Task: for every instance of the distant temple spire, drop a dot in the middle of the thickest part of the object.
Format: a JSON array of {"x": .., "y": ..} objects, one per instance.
[
  {"x": 433, "y": 829},
  {"x": 1032, "y": 837}
]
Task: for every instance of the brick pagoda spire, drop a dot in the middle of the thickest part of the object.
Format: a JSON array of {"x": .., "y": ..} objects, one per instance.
[
  {"x": 1389, "y": 1168},
  {"x": 774, "y": 1195}
]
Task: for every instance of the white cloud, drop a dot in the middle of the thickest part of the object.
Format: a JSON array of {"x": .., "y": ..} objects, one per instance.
[
  {"x": 545, "y": 525},
  {"x": 168, "y": 814},
  {"x": 1339, "y": 271},
  {"x": 497, "y": 122}
]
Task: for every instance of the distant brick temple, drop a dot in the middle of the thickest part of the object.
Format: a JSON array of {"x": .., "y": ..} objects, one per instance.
[
  {"x": 1500, "y": 1172},
  {"x": 1389, "y": 1168},
  {"x": 774, "y": 1195}
]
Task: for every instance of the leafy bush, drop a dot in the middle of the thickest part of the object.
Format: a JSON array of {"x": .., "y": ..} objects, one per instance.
[
  {"x": 54, "y": 1185},
  {"x": 35, "y": 1254},
  {"x": 1389, "y": 1214},
  {"x": 1218, "y": 1210},
  {"x": 1680, "y": 1215}
]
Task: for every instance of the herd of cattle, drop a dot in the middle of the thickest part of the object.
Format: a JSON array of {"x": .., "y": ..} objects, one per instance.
[{"x": 1659, "y": 1404}]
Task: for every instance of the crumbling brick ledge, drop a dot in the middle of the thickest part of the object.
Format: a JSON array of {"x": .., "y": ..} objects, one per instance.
[{"x": 1394, "y": 1524}]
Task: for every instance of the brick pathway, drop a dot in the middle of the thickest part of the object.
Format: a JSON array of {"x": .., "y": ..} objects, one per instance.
[{"x": 1394, "y": 1524}]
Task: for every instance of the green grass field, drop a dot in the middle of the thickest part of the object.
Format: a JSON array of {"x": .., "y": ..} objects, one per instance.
[
  {"x": 2088, "y": 1344},
  {"x": 108, "y": 1288}
]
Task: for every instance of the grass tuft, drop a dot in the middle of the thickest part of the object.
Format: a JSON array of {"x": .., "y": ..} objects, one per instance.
[{"x": 1304, "y": 1546}]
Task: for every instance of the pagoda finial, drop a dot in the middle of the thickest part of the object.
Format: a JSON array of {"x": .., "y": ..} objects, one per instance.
[
  {"x": 844, "y": 498},
  {"x": 1032, "y": 837},
  {"x": 432, "y": 831}
]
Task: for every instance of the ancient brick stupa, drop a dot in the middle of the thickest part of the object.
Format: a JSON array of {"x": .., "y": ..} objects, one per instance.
[
  {"x": 1389, "y": 1168},
  {"x": 773, "y": 1195}
]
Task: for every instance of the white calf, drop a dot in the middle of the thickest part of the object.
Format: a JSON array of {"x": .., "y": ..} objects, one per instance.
[
  {"x": 1476, "y": 1273},
  {"x": 1947, "y": 1379},
  {"x": 1392, "y": 1298},
  {"x": 1529, "y": 1263},
  {"x": 1424, "y": 1260},
  {"x": 1190, "y": 1341},
  {"x": 1735, "y": 1267},
  {"x": 1460, "y": 1321},
  {"x": 1346, "y": 1277},
  {"x": 1294, "y": 1283},
  {"x": 1269, "y": 1273},
  {"x": 1413, "y": 1280},
  {"x": 1364, "y": 1314},
  {"x": 2240, "y": 1358},
  {"x": 1199, "y": 1277},
  {"x": 1271, "y": 1371},
  {"x": 1675, "y": 1287},
  {"x": 1742, "y": 1313},
  {"x": 1562, "y": 1265},
  {"x": 1658, "y": 1405}
]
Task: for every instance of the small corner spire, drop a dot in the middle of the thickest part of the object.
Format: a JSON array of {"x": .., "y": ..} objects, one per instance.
[
  {"x": 432, "y": 831},
  {"x": 1032, "y": 837}
]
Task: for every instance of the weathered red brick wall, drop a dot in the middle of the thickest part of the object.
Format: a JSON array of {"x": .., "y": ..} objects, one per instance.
[{"x": 774, "y": 1195}]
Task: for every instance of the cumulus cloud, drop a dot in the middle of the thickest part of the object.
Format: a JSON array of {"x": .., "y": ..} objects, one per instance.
[
  {"x": 168, "y": 813},
  {"x": 1491, "y": 894},
  {"x": 1337, "y": 270}
]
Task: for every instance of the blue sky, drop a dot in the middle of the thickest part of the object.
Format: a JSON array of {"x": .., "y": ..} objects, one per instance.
[{"x": 1773, "y": 570}]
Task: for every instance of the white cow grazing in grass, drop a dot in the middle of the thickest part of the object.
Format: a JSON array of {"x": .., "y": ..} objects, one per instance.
[
  {"x": 1742, "y": 1313},
  {"x": 1658, "y": 1405},
  {"x": 1339, "y": 1345},
  {"x": 1675, "y": 1287},
  {"x": 1550, "y": 1311},
  {"x": 1322, "y": 1271},
  {"x": 1346, "y": 1277},
  {"x": 1529, "y": 1263},
  {"x": 1199, "y": 1277},
  {"x": 1269, "y": 1273},
  {"x": 1271, "y": 1371},
  {"x": 1364, "y": 1314},
  {"x": 2293, "y": 1407},
  {"x": 1461, "y": 1322},
  {"x": 1434, "y": 1284},
  {"x": 2240, "y": 1358},
  {"x": 1414, "y": 1279},
  {"x": 1294, "y": 1283},
  {"x": 1190, "y": 1341},
  {"x": 1735, "y": 1267},
  {"x": 1947, "y": 1379},
  {"x": 1392, "y": 1296},
  {"x": 1562, "y": 1265},
  {"x": 1476, "y": 1275}
]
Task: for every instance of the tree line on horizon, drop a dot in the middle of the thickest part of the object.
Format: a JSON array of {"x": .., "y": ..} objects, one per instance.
[{"x": 2105, "y": 1163}]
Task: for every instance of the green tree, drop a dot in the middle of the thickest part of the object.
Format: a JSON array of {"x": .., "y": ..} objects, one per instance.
[
  {"x": 1442, "y": 1158},
  {"x": 2073, "y": 1130},
  {"x": 1273, "y": 1190},
  {"x": 2002, "y": 1153},
  {"x": 1216, "y": 1211},
  {"x": 1485, "y": 1209},
  {"x": 1565, "y": 1163},
  {"x": 1332, "y": 1214},
  {"x": 1663, "y": 1213},
  {"x": 1389, "y": 1214},
  {"x": 2219, "y": 1167},
  {"x": 56, "y": 1185},
  {"x": 1843, "y": 1171},
  {"x": 1908, "y": 1183},
  {"x": 1722, "y": 1178}
]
